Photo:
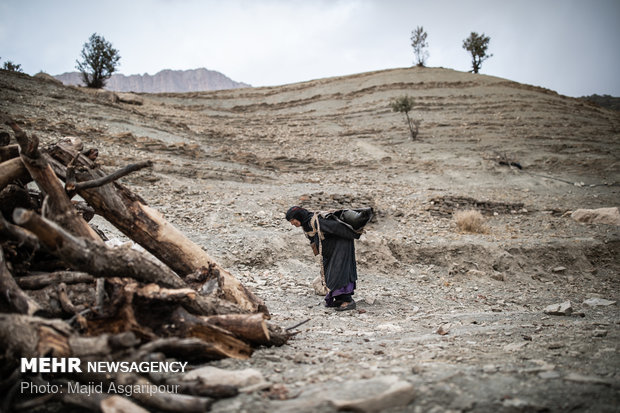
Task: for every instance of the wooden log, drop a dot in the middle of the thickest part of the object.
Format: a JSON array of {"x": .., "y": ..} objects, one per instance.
[
  {"x": 13, "y": 170},
  {"x": 278, "y": 335},
  {"x": 147, "y": 227},
  {"x": 5, "y": 138},
  {"x": 118, "y": 404},
  {"x": 198, "y": 388},
  {"x": 16, "y": 300},
  {"x": 164, "y": 401},
  {"x": 189, "y": 299},
  {"x": 65, "y": 302},
  {"x": 9, "y": 152},
  {"x": 38, "y": 281},
  {"x": 248, "y": 327},
  {"x": 59, "y": 205},
  {"x": 95, "y": 257},
  {"x": 192, "y": 326},
  {"x": 29, "y": 336},
  {"x": 193, "y": 349},
  {"x": 103, "y": 345},
  {"x": 85, "y": 402},
  {"x": 18, "y": 234},
  {"x": 14, "y": 196}
]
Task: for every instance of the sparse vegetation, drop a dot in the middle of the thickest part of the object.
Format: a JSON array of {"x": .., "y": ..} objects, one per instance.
[
  {"x": 404, "y": 104},
  {"x": 470, "y": 221},
  {"x": 99, "y": 61},
  {"x": 12, "y": 67},
  {"x": 419, "y": 44},
  {"x": 606, "y": 101},
  {"x": 477, "y": 45}
]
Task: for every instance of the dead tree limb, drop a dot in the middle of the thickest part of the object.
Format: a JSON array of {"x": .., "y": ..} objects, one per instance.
[
  {"x": 191, "y": 348},
  {"x": 199, "y": 388},
  {"x": 59, "y": 204},
  {"x": 13, "y": 170},
  {"x": 5, "y": 138},
  {"x": 18, "y": 234},
  {"x": 248, "y": 327},
  {"x": 166, "y": 401},
  {"x": 95, "y": 257},
  {"x": 192, "y": 326},
  {"x": 26, "y": 336},
  {"x": 38, "y": 281},
  {"x": 118, "y": 404},
  {"x": 9, "y": 152},
  {"x": 10, "y": 292},
  {"x": 65, "y": 302},
  {"x": 189, "y": 299},
  {"x": 147, "y": 227},
  {"x": 78, "y": 186}
]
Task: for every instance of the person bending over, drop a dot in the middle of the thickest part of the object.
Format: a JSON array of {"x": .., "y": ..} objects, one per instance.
[{"x": 333, "y": 236}]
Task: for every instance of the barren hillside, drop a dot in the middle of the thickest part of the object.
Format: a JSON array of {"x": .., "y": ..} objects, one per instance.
[{"x": 455, "y": 318}]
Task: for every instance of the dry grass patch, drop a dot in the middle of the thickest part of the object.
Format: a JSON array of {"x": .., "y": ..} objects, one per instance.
[{"x": 470, "y": 221}]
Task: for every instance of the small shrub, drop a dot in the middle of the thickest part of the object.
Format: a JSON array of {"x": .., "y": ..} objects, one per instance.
[
  {"x": 404, "y": 104},
  {"x": 12, "y": 67},
  {"x": 470, "y": 221}
]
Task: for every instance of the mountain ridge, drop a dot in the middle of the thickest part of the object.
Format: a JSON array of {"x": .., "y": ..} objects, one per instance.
[{"x": 164, "y": 81}]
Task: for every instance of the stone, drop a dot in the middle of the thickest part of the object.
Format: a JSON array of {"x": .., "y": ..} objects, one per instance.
[
  {"x": 548, "y": 375},
  {"x": 515, "y": 346},
  {"x": 369, "y": 300},
  {"x": 118, "y": 404},
  {"x": 444, "y": 329},
  {"x": 580, "y": 378},
  {"x": 564, "y": 308},
  {"x": 389, "y": 327},
  {"x": 211, "y": 376},
  {"x": 609, "y": 216},
  {"x": 130, "y": 99},
  {"x": 476, "y": 273},
  {"x": 496, "y": 275},
  {"x": 367, "y": 396},
  {"x": 598, "y": 302},
  {"x": 489, "y": 368}
]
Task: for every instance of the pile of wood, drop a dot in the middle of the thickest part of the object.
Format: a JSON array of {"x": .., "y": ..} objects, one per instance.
[{"x": 65, "y": 293}]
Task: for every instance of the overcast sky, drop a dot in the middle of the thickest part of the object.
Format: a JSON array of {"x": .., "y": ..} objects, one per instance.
[{"x": 570, "y": 46}]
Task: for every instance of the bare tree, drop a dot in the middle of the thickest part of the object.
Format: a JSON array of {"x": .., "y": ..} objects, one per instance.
[
  {"x": 99, "y": 61},
  {"x": 419, "y": 44},
  {"x": 477, "y": 45}
]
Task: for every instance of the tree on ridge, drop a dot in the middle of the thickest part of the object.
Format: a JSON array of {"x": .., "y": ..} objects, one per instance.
[
  {"x": 99, "y": 61},
  {"x": 419, "y": 44},
  {"x": 477, "y": 45}
]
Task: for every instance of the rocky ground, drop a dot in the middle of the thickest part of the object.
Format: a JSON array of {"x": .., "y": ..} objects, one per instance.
[{"x": 446, "y": 320}]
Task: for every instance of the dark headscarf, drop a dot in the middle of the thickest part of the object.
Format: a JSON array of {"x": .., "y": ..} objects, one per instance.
[{"x": 300, "y": 214}]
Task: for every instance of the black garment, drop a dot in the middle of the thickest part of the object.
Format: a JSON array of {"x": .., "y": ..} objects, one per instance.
[
  {"x": 338, "y": 250},
  {"x": 343, "y": 298},
  {"x": 338, "y": 245}
]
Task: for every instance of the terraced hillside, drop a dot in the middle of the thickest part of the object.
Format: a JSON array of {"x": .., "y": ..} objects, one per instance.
[{"x": 456, "y": 318}]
